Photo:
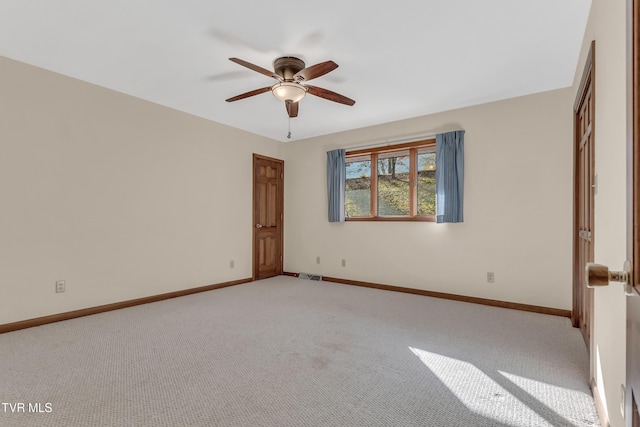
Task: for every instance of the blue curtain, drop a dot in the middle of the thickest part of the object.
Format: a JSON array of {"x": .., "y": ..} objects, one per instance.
[
  {"x": 336, "y": 176},
  {"x": 449, "y": 176}
]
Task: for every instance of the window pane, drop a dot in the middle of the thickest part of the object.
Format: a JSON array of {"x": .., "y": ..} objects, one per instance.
[
  {"x": 426, "y": 183},
  {"x": 393, "y": 184},
  {"x": 357, "y": 196}
]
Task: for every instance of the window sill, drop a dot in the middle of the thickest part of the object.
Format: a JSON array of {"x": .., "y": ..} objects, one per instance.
[{"x": 431, "y": 218}]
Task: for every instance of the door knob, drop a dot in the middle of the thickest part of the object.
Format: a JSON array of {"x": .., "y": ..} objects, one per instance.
[
  {"x": 599, "y": 275},
  {"x": 259, "y": 225}
]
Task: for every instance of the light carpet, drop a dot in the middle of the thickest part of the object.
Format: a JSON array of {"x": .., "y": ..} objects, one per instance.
[{"x": 290, "y": 352}]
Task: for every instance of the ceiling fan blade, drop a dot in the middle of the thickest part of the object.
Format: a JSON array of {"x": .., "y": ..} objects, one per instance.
[
  {"x": 254, "y": 67},
  {"x": 292, "y": 108},
  {"x": 310, "y": 41},
  {"x": 327, "y": 94},
  {"x": 315, "y": 71},
  {"x": 230, "y": 75},
  {"x": 251, "y": 93},
  {"x": 235, "y": 42}
]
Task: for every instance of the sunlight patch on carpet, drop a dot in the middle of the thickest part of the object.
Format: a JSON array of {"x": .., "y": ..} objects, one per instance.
[
  {"x": 477, "y": 391},
  {"x": 561, "y": 400}
]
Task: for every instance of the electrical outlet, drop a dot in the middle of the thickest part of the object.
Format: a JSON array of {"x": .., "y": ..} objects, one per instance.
[
  {"x": 491, "y": 277},
  {"x": 344, "y": 262},
  {"x": 60, "y": 286},
  {"x": 232, "y": 264},
  {"x": 317, "y": 260}
]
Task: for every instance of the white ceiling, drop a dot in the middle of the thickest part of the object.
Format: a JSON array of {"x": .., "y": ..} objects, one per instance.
[{"x": 398, "y": 59}]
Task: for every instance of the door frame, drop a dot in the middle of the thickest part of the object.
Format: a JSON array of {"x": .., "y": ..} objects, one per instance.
[
  {"x": 632, "y": 369},
  {"x": 588, "y": 76},
  {"x": 633, "y": 139},
  {"x": 254, "y": 218}
]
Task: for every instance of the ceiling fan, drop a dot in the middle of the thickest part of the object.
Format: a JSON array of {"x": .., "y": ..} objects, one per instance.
[{"x": 291, "y": 73}]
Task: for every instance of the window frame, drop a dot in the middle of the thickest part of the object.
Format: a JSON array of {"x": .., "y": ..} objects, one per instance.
[{"x": 413, "y": 148}]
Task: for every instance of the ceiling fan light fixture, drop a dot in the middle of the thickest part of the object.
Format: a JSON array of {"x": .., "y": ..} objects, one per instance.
[{"x": 288, "y": 91}]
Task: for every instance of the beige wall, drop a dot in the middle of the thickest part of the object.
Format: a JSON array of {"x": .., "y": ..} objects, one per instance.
[
  {"x": 119, "y": 197},
  {"x": 607, "y": 26},
  {"x": 518, "y": 208}
]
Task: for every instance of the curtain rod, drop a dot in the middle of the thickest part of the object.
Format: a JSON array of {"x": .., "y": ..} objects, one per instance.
[{"x": 392, "y": 142}]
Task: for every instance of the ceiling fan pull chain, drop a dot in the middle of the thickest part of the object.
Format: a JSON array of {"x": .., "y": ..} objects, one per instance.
[{"x": 289, "y": 134}]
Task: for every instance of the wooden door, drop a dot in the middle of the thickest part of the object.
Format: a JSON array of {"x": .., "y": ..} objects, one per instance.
[
  {"x": 584, "y": 195},
  {"x": 632, "y": 416},
  {"x": 268, "y": 216}
]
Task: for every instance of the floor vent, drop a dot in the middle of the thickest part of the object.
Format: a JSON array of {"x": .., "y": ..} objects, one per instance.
[{"x": 309, "y": 276}]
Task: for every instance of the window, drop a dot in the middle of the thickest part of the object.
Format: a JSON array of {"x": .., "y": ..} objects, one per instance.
[
  {"x": 392, "y": 183},
  {"x": 358, "y": 187}
]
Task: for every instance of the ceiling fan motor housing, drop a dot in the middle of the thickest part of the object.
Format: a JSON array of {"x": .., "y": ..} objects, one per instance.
[{"x": 287, "y": 66}]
